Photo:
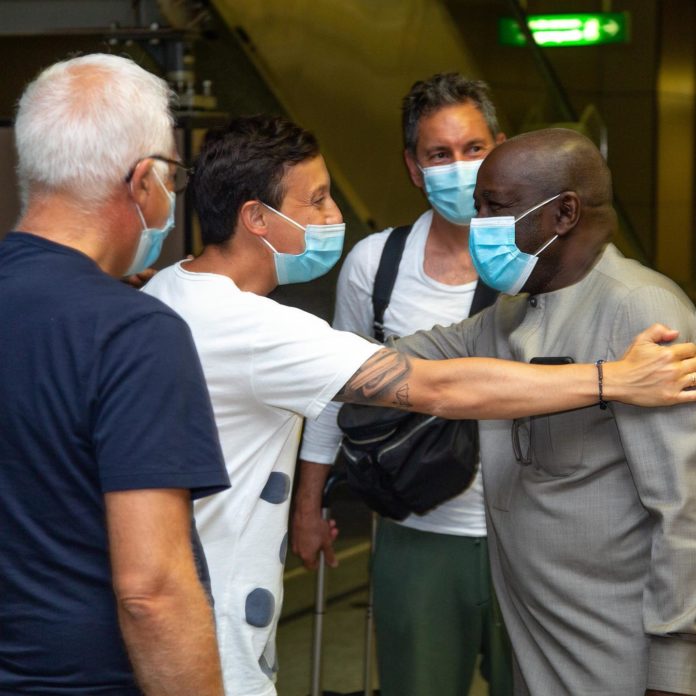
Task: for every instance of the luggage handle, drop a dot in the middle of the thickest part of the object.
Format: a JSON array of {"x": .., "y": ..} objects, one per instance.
[{"x": 334, "y": 479}]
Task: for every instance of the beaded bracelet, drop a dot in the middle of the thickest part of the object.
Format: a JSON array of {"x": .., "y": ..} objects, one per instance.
[{"x": 600, "y": 380}]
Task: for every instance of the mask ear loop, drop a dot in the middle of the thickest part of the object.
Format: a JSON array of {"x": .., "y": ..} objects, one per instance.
[
  {"x": 290, "y": 220},
  {"x": 285, "y": 217},
  {"x": 269, "y": 245},
  {"x": 531, "y": 210},
  {"x": 170, "y": 194},
  {"x": 537, "y": 206},
  {"x": 543, "y": 246}
]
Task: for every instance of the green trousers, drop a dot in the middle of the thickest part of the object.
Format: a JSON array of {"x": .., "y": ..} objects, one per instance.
[{"x": 435, "y": 613}]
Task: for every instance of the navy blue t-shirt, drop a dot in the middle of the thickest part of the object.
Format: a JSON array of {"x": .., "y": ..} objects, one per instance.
[{"x": 100, "y": 390}]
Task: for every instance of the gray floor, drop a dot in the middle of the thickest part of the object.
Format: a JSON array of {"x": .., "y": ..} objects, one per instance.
[{"x": 344, "y": 622}]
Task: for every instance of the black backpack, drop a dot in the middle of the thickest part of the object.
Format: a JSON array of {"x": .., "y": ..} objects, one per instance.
[{"x": 399, "y": 462}]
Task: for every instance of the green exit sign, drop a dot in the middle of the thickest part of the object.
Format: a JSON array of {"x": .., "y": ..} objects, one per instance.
[{"x": 567, "y": 29}]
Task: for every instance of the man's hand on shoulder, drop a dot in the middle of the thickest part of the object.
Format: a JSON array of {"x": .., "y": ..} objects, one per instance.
[
  {"x": 137, "y": 280},
  {"x": 652, "y": 374}
]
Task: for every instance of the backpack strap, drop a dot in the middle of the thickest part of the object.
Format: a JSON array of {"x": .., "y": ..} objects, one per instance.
[{"x": 386, "y": 277}]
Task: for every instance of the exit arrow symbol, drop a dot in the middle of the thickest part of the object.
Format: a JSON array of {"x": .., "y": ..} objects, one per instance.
[{"x": 611, "y": 27}]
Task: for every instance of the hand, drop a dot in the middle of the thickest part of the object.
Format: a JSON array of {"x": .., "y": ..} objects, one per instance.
[
  {"x": 137, "y": 280},
  {"x": 311, "y": 534},
  {"x": 650, "y": 374}
]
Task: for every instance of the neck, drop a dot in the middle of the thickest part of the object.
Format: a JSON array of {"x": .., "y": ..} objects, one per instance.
[
  {"x": 447, "y": 235},
  {"x": 106, "y": 232},
  {"x": 63, "y": 220},
  {"x": 447, "y": 258},
  {"x": 252, "y": 270},
  {"x": 581, "y": 257}
]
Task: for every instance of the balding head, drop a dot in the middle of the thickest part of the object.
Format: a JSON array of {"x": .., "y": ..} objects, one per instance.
[
  {"x": 83, "y": 123},
  {"x": 532, "y": 168},
  {"x": 555, "y": 159}
]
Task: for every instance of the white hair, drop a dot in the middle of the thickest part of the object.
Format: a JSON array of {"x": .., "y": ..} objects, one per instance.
[{"x": 83, "y": 123}]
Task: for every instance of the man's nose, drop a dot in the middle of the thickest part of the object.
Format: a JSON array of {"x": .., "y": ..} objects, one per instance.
[{"x": 333, "y": 214}]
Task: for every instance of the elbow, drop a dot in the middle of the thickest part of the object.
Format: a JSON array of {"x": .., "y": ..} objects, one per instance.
[
  {"x": 440, "y": 408},
  {"x": 140, "y": 599},
  {"x": 139, "y": 609},
  {"x": 457, "y": 403}
]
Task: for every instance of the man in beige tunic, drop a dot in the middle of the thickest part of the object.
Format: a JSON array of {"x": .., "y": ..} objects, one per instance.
[{"x": 591, "y": 512}]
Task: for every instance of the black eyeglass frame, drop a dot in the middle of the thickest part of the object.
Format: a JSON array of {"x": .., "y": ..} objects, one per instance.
[
  {"x": 523, "y": 459},
  {"x": 167, "y": 160}
]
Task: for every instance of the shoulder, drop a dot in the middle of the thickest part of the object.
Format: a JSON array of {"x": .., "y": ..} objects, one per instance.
[
  {"x": 113, "y": 313},
  {"x": 288, "y": 324},
  {"x": 162, "y": 278},
  {"x": 138, "y": 305},
  {"x": 200, "y": 298},
  {"x": 363, "y": 258},
  {"x": 628, "y": 297},
  {"x": 631, "y": 279},
  {"x": 115, "y": 303},
  {"x": 368, "y": 248},
  {"x": 175, "y": 280}
]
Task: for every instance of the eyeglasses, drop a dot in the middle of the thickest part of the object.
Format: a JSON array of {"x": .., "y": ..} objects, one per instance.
[
  {"x": 522, "y": 427},
  {"x": 179, "y": 176}
]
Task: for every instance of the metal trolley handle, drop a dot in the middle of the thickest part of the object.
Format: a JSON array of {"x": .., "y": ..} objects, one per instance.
[{"x": 335, "y": 479}]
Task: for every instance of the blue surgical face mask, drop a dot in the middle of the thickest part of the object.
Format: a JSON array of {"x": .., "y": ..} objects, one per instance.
[
  {"x": 323, "y": 247},
  {"x": 498, "y": 260},
  {"x": 450, "y": 189},
  {"x": 152, "y": 238}
]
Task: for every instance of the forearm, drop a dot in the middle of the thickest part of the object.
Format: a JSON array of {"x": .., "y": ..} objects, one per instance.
[
  {"x": 164, "y": 614},
  {"x": 311, "y": 533},
  {"x": 472, "y": 387},
  {"x": 307, "y": 500},
  {"x": 170, "y": 639},
  {"x": 480, "y": 388},
  {"x": 484, "y": 388}
]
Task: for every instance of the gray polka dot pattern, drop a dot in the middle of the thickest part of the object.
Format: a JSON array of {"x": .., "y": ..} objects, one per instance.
[
  {"x": 277, "y": 488},
  {"x": 266, "y": 668},
  {"x": 259, "y": 607},
  {"x": 283, "y": 549}
]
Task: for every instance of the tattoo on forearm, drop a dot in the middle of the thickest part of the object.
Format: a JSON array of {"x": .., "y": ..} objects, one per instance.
[
  {"x": 402, "y": 395},
  {"x": 384, "y": 373}
]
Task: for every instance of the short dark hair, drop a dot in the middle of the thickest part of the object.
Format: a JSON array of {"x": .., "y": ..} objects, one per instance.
[
  {"x": 246, "y": 160},
  {"x": 444, "y": 89}
]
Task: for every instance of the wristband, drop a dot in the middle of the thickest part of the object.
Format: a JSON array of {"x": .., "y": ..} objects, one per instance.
[{"x": 600, "y": 382}]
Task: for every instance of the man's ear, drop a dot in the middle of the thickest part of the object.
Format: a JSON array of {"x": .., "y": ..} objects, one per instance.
[
  {"x": 500, "y": 138},
  {"x": 142, "y": 181},
  {"x": 414, "y": 172},
  {"x": 567, "y": 212},
  {"x": 252, "y": 216}
]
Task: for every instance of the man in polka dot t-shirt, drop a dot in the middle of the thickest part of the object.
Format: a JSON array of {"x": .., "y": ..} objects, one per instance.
[{"x": 266, "y": 365}]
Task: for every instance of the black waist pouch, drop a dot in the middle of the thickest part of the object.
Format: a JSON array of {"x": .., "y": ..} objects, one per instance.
[{"x": 401, "y": 463}]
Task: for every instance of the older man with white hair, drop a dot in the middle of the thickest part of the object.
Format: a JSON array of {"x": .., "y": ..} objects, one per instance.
[{"x": 106, "y": 430}]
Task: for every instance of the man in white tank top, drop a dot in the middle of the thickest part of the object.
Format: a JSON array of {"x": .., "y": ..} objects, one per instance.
[{"x": 434, "y": 604}]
